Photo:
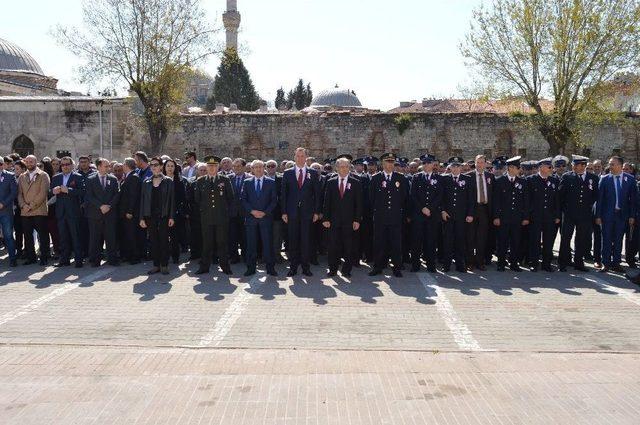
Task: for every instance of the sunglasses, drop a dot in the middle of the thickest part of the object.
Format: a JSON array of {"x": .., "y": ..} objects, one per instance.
[{"x": 271, "y": 166}]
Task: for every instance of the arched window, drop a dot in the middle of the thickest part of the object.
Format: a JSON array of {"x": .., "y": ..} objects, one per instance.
[{"x": 23, "y": 146}]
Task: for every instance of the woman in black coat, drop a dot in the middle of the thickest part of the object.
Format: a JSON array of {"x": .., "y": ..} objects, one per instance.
[
  {"x": 157, "y": 212},
  {"x": 178, "y": 231}
]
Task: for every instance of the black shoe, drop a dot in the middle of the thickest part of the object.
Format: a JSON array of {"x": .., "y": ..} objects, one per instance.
[
  {"x": 13, "y": 263},
  {"x": 77, "y": 264},
  {"x": 375, "y": 272},
  {"x": 346, "y": 274},
  {"x": 562, "y": 268},
  {"x": 397, "y": 273},
  {"x": 331, "y": 273},
  {"x": 42, "y": 262},
  {"x": 62, "y": 264},
  {"x": 446, "y": 269},
  {"x": 461, "y": 269},
  {"x": 432, "y": 269},
  {"x": 250, "y": 272},
  {"x": 500, "y": 268},
  {"x": 307, "y": 272},
  {"x": 202, "y": 271},
  {"x": 272, "y": 272},
  {"x": 292, "y": 272},
  {"x": 547, "y": 268},
  {"x": 515, "y": 268},
  {"x": 533, "y": 268},
  {"x": 415, "y": 268},
  {"x": 226, "y": 270}
]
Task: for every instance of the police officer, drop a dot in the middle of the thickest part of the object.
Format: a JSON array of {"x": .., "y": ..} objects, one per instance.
[
  {"x": 458, "y": 209},
  {"x": 213, "y": 194},
  {"x": 426, "y": 196},
  {"x": 510, "y": 212},
  {"x": 545, "y": 214},
  {"x": 578, "y": 193},
  {"x": 388, "y": 192},
  {"x": 560, "y": 165}
]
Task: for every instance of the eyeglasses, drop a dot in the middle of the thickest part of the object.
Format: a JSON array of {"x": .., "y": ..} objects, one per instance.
[
  {"x": 155, "y": 164},
  {"x": 271, "y": 166}
]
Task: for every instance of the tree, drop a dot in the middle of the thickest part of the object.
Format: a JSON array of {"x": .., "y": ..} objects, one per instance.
[
  {"x": 233, "y": 84},
  {"x": 281, "y": 101},
  {"x": 150, "y": 45},
  {"x": 563, "y": 49},
  {"x": 300, "y": 96}
]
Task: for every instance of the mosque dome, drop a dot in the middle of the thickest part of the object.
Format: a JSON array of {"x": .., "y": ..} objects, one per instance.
[
  {"x": 336, "y": 97},
  {"x": 16, "y": 59}
]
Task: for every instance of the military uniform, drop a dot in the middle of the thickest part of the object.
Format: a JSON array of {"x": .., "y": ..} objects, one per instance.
[
  {"x": 544, "y": 212},
  {"x": 214, "y": 196}
]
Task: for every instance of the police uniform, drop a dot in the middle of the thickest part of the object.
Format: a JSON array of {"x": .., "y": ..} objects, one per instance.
[
  {"x": 545, "y": 211},
  {"x": 389, "y": 196},
  {"x": 459, "y": 201},
  {"x": 511, "y": 207},
  {"x": 578, "y": 193},
  {"x": 214, "y": 196}
]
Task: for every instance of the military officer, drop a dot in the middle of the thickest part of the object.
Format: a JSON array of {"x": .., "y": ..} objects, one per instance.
[
  {"x": 389, "y": 193},
  {"x": 544, "y": 214},
  {"x": 426, "y": 196},
  {"x": 458, "y": 209},
  {"x": 560, "y": 165},
  {"x": 578, "y": 193},
  {"x": 510, "y": 212},
  {"x": 213, "y": 194}
]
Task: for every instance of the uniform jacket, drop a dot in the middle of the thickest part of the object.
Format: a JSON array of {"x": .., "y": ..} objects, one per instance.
[
  {"x": 544, "y": 203},
  {"x": 577, "y": 197},
  {"x": 95, "y": 195},
  {"x": 342, "y": 211},
  {"x": 306, "y": 200},
  {"x": 389, "y": 200},
  {"x": 265, "y": 202},
  {"x": 427, "y": 192},
  {"x": 68, "y": 204},
  {"x": 606, "y": 203},
  {"x": 459, "y": 199},
  {"x": 214, "y": 197},
  {"x": 510, "y": 200},
  {"x": 33, "y": 193}
]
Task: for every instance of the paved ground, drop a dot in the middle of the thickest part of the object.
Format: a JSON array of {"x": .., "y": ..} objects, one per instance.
[{"x": 114, "y": 345}]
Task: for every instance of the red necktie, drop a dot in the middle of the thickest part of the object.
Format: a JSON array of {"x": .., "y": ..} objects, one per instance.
[
  {"x": 341, "y": 188},
  {"x": 300, "y": 179}
]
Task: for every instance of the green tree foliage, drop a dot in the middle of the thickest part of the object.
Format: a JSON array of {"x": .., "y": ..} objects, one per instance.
[
  {"x": 233, "y": 84},
  {"x": 301, "y": 96},
  {"x": 281, "y": 101}
]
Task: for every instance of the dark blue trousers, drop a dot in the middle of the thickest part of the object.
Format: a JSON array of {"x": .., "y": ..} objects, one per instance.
[
  {"x": 265, "y": 227},
  {"x": 612, "y": 233}
]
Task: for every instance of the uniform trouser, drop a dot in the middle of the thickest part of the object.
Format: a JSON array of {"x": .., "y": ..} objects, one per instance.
[
  {"x": 159, "y": 240},
  {"x": 214, "y": 234},
  {"x": 69, "y": 232},
  {"x": 176, "y": 236},
  {"x": 583, "y": 235},
  {"x": 236, "y": 237},
  {"x": 544, "y": 230},
  {"x": 454, "y": 241},
  {"x": 477, "y": 232},
  {"x": 39, "y": 224},
  {"x": 424, "y": 236},
  {"x": 299, "y": 247},
  {"x": 366, "y": 239},
  {"x": 6, "y": 223},
  {"x": 101, "y": 230},
  {"x": 631, "y": 243},
  {"x": 341, "y": 246},
  {"x": 129, "y": 239},
  {"x": 523, "y": 249},
  {"x": 406, "y": 236},
  {"x": 265, "y": 228},
  {"x": 612, "y": 234},
  {"x": 195, "y": 242},
  {"x": 387, "y": 236},
  {"x": 509, "y": 234}
]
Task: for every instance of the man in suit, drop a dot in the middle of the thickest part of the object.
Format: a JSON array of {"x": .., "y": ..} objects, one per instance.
[
  {"x": 341, "y": 215},
  {"x": 578, "y": 193},
  {"x": 615, "y": 207},
  {"x": 510, "y": 213},
  {"x": 236, "y": 212},
  {"x": 85, "y": 170},
  {"x": 426, "y": 193},
  {"x": 33, "y": 191},
  {"x": 102, "y": 193},
  {"x": 300, "y": 203},
  {"x": 8, "y": 195},
  {"x": 259, "y": 200},
  {"x": 129, "y": 213},
  {"x": 544, "y": 206},
  {"x": 278, "y": 225},
  {"x": 191, "y": 169},
  {"x": 478, "y": 229},
  {"x": 68, "y": 188},
  {"x": 389, "y": 195},
  {"x": 458, "y": 209},
  {"x": 213, "y": 194}
]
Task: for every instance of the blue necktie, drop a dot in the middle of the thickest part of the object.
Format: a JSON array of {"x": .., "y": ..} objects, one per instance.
[
  {"x": 258, "y": 188},
  {"x": 618, "y": 190}
]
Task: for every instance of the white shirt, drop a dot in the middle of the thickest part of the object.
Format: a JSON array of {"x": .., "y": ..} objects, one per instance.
[
  {"x": 259, "y": 180},
  {"x": 387, "y": 176},
  {"x": 65, "y": 179},
  {"x": 483, "y": 182},
  {"x": 32, "y": 175},
  {"x": 304, "y": 172}
]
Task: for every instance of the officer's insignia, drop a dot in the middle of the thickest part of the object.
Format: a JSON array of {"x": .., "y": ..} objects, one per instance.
[
  {"x": 108, "y": 182},
  {"x": 548, "y": 183},
  {"x": 461, "y": 183},
  {"x": 488, "y": 181},
  {"x": 553, "y": 186},
  {"x": 1, "y": 179},
  {"x": 625, "y": 178},
  {"x": 348, "y": 186},
  {"x": 73, "y": 183},
  {"x": 384, "y": 183},
  {"x": 518, "y": 186},
  {"x": 397, "y": 184},
  {"x": 434, "y": 182},
  {"x": 221, "y": 185}
]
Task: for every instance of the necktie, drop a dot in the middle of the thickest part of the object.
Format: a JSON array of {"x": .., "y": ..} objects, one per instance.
[
  {"x": 300, "y": 179},
  {"x": 483, "y": 200},
  {"x": 238, "y": 183},
  {"x": 341, "y": 188},
  {"x": 103, "y": 183},
  {"x": 618, "y": 189},
  {"x": 456, "y": 179},
  {"x": 258, "y": 188}
]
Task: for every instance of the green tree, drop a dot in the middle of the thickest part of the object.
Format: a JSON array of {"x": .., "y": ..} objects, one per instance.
[
  {"x": 301, "y": 96},
  {"x": 151, "y": 45},
  {"x": 281, "y": 101},
  {"x": 233, "y": 84},
  {"x": 560, "y": 49}
]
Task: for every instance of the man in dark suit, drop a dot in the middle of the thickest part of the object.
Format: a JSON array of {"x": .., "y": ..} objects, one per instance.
[
  {"x": 458, "y": 209},
  {"x": 544, "y": 206},
  {"x": 129, "y": 213},
  {"x": 510, "y": 213},
  {"x": 8, "y": 196},
  {"x": 342, "y": 214},
  {"x": 578, "y": 193},
  {"x": 615, "y": 208},
  {"x": 278, "y": 226},
  {"x": 102, "y": 193},
  {"x": 389, "y": 195},
  {"x": 426, "y": 193},
  {"x": 68, "y": 188},
  {"x": 478, "y": 229},
  {"x": 259, "y": 200},
  {"x": 300, "y": 202},
  {"x": 236, "y": 212}
]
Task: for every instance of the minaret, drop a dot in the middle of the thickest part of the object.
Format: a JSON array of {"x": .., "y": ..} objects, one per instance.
[{"x": 231, "y": 20}]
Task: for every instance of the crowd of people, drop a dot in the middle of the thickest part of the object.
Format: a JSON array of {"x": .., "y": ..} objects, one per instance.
[{"x": 387, "y": 211}]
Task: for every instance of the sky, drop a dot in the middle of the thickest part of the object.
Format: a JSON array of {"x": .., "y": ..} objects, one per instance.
[{"x": 387, "y": 51}]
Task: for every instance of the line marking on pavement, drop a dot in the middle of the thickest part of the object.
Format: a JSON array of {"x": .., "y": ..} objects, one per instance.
[
  {"x": 58, "y": 292},
  {"x": 461, "y": 333},
  {"x": 230, "y": 315},
  {"x": 629, "y": 296}
]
